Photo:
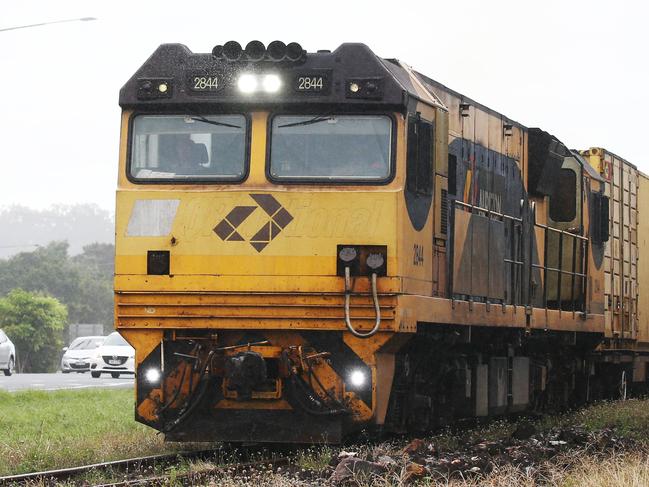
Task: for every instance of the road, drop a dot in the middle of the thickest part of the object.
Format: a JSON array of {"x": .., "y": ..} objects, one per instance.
[{"x": 54, "y": 382}]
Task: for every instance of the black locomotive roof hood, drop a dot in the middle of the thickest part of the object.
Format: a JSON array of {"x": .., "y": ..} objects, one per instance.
[{"x": 343, "y": 74}]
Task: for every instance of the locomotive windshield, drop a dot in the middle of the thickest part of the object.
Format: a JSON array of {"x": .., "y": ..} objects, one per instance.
[
  {"x": 188, "y": 147},
  {"x": 330, "y": 147}
]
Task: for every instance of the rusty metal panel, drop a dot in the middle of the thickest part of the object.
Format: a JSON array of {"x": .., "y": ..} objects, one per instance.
[
  {"x": 495, "y": 134},
  {"x": 482, "y": 390},
  {"x": 639, "y": 369},
  {"x": 520, "y": 381},
  {"x": 468, "y": 124},
  {"x": 462, "y": 252},
  {"x": 498, "y": 385},
  {"x": 481, "y": 128},
  {"x": 496, "y": 259},
  {"x": 452, "y": 102},
  {"x": 479, "y": 258}
]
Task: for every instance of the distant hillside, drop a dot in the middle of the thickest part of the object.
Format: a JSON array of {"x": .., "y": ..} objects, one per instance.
[{"x": 24, "y": 229}]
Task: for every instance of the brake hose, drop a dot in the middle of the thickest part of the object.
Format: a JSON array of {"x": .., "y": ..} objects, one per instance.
[{"x": 377, "y": 309}]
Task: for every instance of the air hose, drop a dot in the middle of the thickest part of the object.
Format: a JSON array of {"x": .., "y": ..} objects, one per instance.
[{"x": 375, "y": 299}]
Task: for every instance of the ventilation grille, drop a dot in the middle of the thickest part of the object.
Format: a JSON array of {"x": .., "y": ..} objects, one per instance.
[{"x": 444, "y": 212}]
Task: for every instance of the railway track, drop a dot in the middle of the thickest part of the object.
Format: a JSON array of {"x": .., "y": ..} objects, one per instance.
[{"x": 141, "y": 470}]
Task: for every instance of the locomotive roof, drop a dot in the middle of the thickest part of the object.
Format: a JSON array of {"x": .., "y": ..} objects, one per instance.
[{"x": 393, "y": 85}]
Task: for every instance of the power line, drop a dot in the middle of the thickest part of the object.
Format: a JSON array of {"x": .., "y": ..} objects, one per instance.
[
  {"x": 19, "y": 246},
  {"x": 82, "y": 19}
]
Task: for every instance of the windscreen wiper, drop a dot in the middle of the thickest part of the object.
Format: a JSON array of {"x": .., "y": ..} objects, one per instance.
[
  {"x": 313, "y": 120},
  {"x": 200, "y": 118}
]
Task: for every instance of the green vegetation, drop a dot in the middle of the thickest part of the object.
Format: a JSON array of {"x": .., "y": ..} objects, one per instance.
[
  {"x": 629, "y": 419},
  {"x": 82, "y": 283},
  {"x": 47, "y": 430},
  {"x": 34, "y": 324},
  {"x": 314, "y": 458}
]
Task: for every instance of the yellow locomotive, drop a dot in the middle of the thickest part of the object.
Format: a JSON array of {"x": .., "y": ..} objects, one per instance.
[{"x": 308, "y": 244}]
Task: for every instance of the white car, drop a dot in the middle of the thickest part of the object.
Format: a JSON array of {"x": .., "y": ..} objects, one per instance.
[
  {"x": 7, "y": 354},
  {"x": 79, "y": 354},
  {"x": 114, "y": 357}
]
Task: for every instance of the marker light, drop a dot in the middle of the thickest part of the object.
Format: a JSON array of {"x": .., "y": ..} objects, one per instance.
[
  {"x": 152, "y": 376},
  {"x": 374, "y": 261},
  {"x": 347, "y": 254},
  {"x": 357, "y": 378},
  {"x": 271, "y": 83},
  {"x": 247, "y": 83},
  {"x": 162, "y": 87}
]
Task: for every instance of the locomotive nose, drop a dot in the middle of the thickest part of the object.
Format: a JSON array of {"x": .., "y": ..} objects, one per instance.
[{"x": 245, "y": 372}]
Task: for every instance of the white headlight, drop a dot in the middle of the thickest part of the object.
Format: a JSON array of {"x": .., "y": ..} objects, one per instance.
[
  {"x": 271, "y": 83},
  {"x": 247, "y": 83},
  {"x": 357, "y": 378},
  {"x": 152, "y": 376}
]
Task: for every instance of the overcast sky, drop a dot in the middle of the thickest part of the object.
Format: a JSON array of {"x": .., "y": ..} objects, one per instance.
[{"x": 578, "y": 69}]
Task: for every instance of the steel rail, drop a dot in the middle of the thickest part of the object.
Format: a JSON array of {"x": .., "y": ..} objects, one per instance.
[
  {"x": 127, "y": 464},
  {"x": 191, "y": 478}
]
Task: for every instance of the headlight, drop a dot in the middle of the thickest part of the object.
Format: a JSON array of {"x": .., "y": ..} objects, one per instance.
[
  {"x": 271, "y": 83},
  {"x": 247, "y": 83},
  {"x": 357, "y": 378},
  {"x": 152, "y": 375}
]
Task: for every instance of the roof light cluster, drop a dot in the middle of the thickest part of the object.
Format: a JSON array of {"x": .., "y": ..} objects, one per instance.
[
  {"x": 249, "y": 83},
  {"x": 255, "y": 51}
]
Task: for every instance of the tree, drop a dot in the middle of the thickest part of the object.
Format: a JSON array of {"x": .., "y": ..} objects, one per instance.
[
  {"x": 95, "y": 270},
  {"x": 35, "y": 324},
  {"x": 84, "y": 282}
]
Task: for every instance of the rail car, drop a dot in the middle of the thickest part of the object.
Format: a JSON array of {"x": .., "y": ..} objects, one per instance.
[{"x": 310, "y": 244}]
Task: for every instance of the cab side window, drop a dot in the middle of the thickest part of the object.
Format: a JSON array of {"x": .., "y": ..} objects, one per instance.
[
  {"x": 563, "y": 202},
  {"x": 419, "y": 158}
]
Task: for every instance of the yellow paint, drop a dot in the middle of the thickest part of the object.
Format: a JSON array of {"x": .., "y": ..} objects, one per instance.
[{"x": 467, "y": 186}]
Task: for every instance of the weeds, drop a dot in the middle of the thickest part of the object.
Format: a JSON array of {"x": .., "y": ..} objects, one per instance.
[{"x": 48, "y": 430}]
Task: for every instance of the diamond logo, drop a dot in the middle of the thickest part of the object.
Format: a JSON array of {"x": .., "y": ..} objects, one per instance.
[{"x": 278, "y": 219}]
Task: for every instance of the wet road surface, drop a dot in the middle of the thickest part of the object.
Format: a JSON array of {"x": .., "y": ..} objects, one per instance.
[{"x": 58, "y": 381}]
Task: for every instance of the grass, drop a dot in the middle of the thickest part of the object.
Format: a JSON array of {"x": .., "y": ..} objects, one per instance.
[
  {"x": 315, "y": 458},
  {"x": 629, "y": 419},
  {"x": 628, "y": 470},
  {"x": 47, "y": 430}
]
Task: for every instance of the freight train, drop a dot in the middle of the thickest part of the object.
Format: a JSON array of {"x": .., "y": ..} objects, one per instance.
[{"x": 312, "y": 244}]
